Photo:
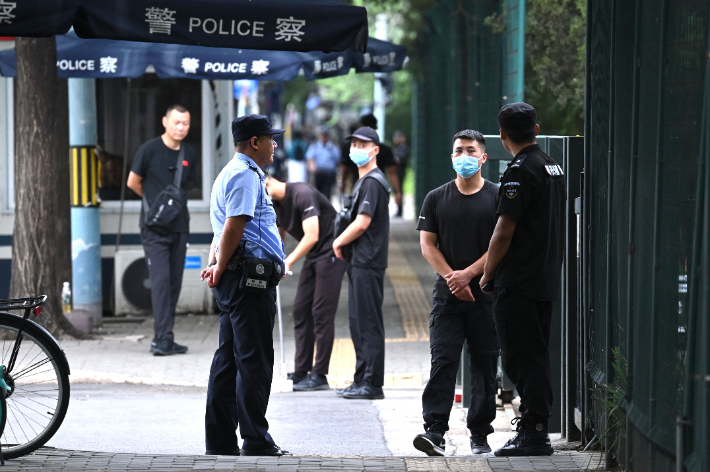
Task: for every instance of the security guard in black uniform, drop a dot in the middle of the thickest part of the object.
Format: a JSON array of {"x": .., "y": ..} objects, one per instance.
[{"x": 524, "y": 263}]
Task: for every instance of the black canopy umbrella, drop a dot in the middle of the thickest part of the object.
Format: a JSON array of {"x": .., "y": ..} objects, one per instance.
[{"x": 284, "y": 25}]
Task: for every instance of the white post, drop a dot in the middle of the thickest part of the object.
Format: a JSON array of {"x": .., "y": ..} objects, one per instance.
[{"x": 379, "y": 92}]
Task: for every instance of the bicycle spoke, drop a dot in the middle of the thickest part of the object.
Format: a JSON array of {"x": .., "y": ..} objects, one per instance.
[
  {"x": 9, "y": 410},
  {"x": 24, "y": 340},
  {"x": 23, "y": 363},
  {"x": 36, "y": 392},
  {"x": 39, "y": 382},
  {"x": 33, "y": 400},
  {"x": 30, "y": 368},
  {"x": 30, "y": 418},
  {"x": 36, "y": 401},
  {"x": 37, "y": 373}
]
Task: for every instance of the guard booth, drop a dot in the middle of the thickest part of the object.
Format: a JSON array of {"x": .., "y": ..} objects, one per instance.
[{"x": 568, "y": 151}]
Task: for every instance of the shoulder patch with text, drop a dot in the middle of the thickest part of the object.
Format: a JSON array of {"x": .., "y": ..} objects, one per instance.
[
  {"x": 511, "y": 189},
  {"x": 554, "y": 170}
]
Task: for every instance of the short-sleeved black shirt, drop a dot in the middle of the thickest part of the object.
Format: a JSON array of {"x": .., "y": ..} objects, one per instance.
[
  {"x": 370, "y": 249},
  {"x": 533, "y": 193},
  {"x": 302, "y": 202},
  {"x": 464, "y": 225},
  {"x": 155, "y": 162}
]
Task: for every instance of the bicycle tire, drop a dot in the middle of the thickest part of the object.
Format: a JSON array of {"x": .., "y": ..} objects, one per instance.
[{"x": 35, "y": 334}]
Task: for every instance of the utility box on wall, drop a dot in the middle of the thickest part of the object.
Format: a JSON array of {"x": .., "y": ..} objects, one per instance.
[{"x": 132, "y": 284}]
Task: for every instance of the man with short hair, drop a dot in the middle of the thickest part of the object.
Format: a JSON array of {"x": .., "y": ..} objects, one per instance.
[
  {"x": 246, "y": 263},
  {"x": 368, "y": 233},
  {"x": 154, "y": 169},
  {"x": 525, "y": 264},
  {"x": 308, "y": 216},
  {"x": 323, "y": 157},
  {"x": 456, "y": 223}
]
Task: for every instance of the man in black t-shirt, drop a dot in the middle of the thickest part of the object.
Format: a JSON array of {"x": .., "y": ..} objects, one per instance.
[
  {"x": 525, "y": 263},
  {"x": 369, "y": 236},
  {"x": 307, "y": 215},
  {"x": 456, "y": 223},
  {"x": 153, "y": 169}
]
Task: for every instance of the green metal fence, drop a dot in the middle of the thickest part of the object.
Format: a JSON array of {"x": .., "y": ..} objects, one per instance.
[{"x": 644, "y": 223}]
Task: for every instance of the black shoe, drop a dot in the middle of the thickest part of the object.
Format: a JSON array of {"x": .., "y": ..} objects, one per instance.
[
  {"x": 350, "y": 388},
  {"x": 531, "y": 440},
  {"x": 179, "y": 348},
  {"x": 269, "y": 451},
  {"x": 211, "y": 452},
  {"x": 365, "y": 392},
  {"x": 297, "y": 376},
  {"x": 431, "y": 443},
  {"x": 311, "y": 383},
  {"x": 167, "y": 348},
  {"x": 479, "y": 443}
]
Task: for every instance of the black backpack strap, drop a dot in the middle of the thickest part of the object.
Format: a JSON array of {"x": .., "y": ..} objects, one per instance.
[{"x": 381, "y": 179}]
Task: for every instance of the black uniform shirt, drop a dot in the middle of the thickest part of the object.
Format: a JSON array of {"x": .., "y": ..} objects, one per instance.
[
  {"x": 464, "y": 225},
  {"x": 533, "y": 193},
  {"x": 155, "y": 162},
  {"x": 371, "y": 198},
  {"x": 385, "y": 158},
  {"x": 301, "y": 202}
]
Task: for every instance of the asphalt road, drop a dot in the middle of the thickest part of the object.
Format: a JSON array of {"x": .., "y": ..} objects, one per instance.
[{"x": 170, "y": 420}]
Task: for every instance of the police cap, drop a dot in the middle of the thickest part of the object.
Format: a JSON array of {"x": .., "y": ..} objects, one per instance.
[
  {"x": 248, "y": 126},
  {"x": 517, "y": 118}
]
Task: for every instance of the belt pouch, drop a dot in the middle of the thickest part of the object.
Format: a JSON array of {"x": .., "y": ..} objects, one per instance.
[{"x": 256, "y": 274}]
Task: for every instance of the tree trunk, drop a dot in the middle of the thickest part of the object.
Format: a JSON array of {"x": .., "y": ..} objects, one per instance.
[{"x": 41, "y": 239}]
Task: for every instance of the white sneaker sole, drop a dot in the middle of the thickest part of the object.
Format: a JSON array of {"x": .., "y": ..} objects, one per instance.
[{"x": 427, "y": 447}]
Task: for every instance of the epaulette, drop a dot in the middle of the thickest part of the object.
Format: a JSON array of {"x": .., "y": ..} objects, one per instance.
[{"x": 519, "y": 161}]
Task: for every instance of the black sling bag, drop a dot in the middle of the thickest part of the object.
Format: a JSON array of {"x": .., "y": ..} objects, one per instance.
[{"x": 162, "y": 214}]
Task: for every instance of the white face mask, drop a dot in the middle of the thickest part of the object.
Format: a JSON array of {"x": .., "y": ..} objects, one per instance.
[{"x": 360, "y": 156}]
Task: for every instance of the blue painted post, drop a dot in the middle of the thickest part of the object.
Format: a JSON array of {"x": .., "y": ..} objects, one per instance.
[{"x": 85, "y": 228}]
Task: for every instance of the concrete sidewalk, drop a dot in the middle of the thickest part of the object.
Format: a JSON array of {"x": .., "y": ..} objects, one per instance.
[{"x": 119, "y": 355}]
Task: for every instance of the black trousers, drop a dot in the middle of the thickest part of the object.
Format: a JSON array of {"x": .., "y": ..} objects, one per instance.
[
  {"x": 242, "y": 367},
  {"x": 165, "y": 256},
  {"x": 314, "y": 312},
  {"x": 523, "y": 326},
  {"x": 324, "y": 182},
  {"x": 367, "y": 329},
  {"x": 451, "y": 323}
]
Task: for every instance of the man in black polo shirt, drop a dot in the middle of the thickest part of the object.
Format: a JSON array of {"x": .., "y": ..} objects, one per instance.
[
  {"x": 153, "y": 169},
  {"x": 525, "y": 263},
  {"x": 456, "y": 223},
  {"x": 307, "y": 215},
  {"x": 369, "y": 236}
]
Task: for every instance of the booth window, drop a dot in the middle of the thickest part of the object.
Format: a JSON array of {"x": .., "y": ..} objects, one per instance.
[{"x": 150, "y": 98}]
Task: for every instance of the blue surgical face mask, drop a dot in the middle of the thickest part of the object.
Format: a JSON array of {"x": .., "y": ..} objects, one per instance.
[
  {"x": 466, "y": 166},
  {"x": 360, "y": 156}
]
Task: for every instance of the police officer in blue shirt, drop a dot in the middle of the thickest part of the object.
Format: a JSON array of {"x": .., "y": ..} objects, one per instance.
[{"x": 246, "y": 263}]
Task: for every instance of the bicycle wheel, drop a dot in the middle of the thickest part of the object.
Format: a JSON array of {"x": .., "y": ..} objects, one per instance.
[{"x": 39, "y": 398}]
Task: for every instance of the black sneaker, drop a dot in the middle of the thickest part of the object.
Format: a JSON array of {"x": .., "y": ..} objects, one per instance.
[
  {"x": 269, "y": 451},
  {"x": 352, "y": 387},
  {"x": 167, "y": 348},
  {"x": 479, "y": 443},
  {"x": 311, "y": 383},
  {"x": 297, "y": 376},
  {"x": 365, "y": 392},
  {"x": 531, "y": 440},
  {"x": 431, "y": 443},
  {"x": 179, "y": 348}
]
